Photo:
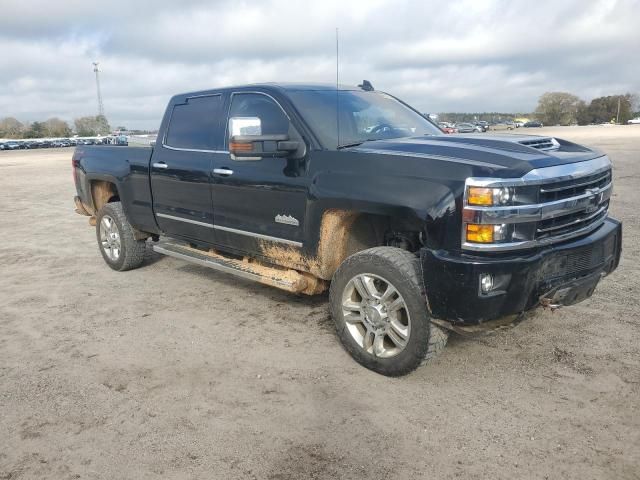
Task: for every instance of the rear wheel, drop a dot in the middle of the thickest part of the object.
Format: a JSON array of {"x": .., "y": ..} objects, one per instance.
[
  {"x": 380, "y": 313},
  {"x": 116, "y": 240}
]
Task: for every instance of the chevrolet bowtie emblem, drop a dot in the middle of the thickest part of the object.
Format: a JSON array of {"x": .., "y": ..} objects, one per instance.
[{"x": 594, "y": 200}]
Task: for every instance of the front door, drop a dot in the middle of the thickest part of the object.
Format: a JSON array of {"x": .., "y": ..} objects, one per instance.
[
  {"x": 181, "y": 168},
  {"x": 263, "y": 200}
]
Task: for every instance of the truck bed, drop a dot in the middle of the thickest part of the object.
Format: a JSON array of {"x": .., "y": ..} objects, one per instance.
[{"x": 126, "y": 167}]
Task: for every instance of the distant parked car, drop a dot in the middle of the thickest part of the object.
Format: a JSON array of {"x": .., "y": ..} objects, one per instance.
[
  {"x": 634, "y": 121},
  {"x": 1, "y": 146},
  {"x": 502, "y": 126},
  {"x": 447, "y": 128},
  {"x": 483, "y": 125},
  {"x": 13, "y": 146},
  {"x": 467, "y": 128},
  {"x": 533, "y": 124}
]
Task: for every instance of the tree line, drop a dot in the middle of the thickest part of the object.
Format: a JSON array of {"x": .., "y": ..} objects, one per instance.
[
  {"x": 464, "y": 117},
  {"x": 563, "y": 108},
  {"x": 554, "y": 108},
  {"x": 54, "y": 127}
]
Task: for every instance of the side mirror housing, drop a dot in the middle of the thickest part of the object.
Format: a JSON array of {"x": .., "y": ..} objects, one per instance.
[
  {"x": 246, "y": 141},
  {"x": 258, "y": 146}
]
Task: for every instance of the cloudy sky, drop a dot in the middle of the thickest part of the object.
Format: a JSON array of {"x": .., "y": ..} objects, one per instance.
[{"x": 454, "y": 55}]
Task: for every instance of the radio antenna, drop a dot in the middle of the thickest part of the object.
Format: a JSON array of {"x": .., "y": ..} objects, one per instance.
[{"x": 337, "y": 90}]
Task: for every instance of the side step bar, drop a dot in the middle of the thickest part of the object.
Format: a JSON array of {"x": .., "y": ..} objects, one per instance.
[{"x": 289, "y": 280}]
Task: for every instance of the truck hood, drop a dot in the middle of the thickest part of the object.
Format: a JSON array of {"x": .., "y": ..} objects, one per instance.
[{"x": 514, "y": 155}]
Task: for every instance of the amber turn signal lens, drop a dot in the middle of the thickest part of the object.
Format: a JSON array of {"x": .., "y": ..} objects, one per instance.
[
  {"x": 241, "y": 147},
  {"x": 480, "y": 196},
  {"x": 479, "y": 233}
]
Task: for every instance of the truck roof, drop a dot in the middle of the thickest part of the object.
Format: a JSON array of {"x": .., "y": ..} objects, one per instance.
[{"x": 272, "y": 86}]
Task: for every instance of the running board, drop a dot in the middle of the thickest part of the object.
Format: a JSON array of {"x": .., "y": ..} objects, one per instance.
[{"x": 285, "y": 279}]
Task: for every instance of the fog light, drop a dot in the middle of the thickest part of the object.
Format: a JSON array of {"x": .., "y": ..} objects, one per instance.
[{"x": 486, "y": 282}]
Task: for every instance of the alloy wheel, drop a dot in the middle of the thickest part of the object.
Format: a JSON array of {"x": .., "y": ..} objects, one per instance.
[{"x": 376, "y": 315}]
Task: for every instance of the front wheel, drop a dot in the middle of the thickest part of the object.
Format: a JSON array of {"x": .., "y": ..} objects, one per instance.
[
  {"x": 116, "y": 240},
  {"x": 380, "y": 313}
]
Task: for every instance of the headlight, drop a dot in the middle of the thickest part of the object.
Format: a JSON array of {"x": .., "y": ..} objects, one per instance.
[{"x": 489, "y": 196}]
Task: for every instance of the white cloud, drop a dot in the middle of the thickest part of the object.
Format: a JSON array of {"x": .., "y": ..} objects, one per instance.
[{"x": 440, "y": 56}]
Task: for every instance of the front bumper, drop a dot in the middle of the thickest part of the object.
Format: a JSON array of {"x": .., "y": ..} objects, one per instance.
[{"x": 563, "y": 274}]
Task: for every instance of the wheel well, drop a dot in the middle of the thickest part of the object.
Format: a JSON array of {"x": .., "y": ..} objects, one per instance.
[
  {"x": 103, "y": 192},
  {"x": 359, "y": 231},
  {"x": 371, "y": 230},
  {"x": 367, "y": 231}
]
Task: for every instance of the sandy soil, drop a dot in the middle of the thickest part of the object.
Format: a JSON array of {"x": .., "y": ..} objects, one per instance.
[{"x": 175, "y": 371}]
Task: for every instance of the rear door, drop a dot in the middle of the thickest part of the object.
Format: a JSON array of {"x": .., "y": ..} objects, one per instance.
[{"x": 181, "y": 167}]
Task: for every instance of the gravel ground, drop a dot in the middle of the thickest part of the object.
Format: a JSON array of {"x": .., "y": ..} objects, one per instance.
[{"x": 176, "y": 371}]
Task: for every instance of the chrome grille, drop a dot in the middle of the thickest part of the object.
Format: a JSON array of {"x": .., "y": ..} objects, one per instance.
[
  {"x": 547, "y": 205},
  {"x": 568, "y": 223},
  {"x": 571, "y": 188}
]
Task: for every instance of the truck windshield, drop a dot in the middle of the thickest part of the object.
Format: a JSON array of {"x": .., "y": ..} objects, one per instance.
[{"x": 363, "y": 116}]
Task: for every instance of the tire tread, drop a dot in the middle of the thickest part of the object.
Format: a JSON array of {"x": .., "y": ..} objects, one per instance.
[
  {"x": 134, "y": 250},
  {"x": 408, "y": 265}
]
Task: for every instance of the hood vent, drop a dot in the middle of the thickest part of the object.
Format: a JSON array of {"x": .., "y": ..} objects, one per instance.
[{"x": 547, "y": 143}]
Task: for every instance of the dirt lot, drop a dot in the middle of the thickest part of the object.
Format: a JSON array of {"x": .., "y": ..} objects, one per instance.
[{"x": 175, "y": 371}]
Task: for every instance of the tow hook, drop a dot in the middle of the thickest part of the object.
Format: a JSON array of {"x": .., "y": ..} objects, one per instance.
[{"x": 547, "y": 302}]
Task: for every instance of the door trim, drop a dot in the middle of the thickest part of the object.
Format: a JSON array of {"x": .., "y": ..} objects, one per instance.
[
  {"x": 232, "y": 230},
  {"x": 186, "y": 220},
  {"x": 258, "y": 235},
  {"x": 179, "y": 149}
]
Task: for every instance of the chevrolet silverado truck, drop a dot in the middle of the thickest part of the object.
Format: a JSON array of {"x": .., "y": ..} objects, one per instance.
[{"x": 312, "y": 188}]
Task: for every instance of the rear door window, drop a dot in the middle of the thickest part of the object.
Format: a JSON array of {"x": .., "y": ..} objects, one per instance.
[{"x": 197, "y": 124}]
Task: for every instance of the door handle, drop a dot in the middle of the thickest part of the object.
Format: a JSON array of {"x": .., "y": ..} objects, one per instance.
[
  {"x": 223, "y": 171},
  {"x": 160, "y": 165}
]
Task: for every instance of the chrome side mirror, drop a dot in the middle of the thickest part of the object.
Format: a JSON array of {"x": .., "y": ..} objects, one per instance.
[{"x": 244, "y": 126}]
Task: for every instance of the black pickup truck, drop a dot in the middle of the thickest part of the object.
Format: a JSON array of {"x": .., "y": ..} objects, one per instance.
[{"x": 313, "y": 187}]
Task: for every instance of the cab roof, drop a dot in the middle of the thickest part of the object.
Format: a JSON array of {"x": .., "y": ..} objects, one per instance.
[{"x": 282, "y": 87}]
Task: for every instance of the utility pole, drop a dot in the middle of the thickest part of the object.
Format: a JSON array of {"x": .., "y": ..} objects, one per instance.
[
  {"x": 100, "y": 105},
  {"x": 337, "y": 91},
  {"x": 618, "y": 114}
]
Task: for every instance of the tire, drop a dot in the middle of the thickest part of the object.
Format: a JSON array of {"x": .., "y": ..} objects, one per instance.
[
  {"x": 117, "y": 244},
  {"x": 409, "y": 339}
]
